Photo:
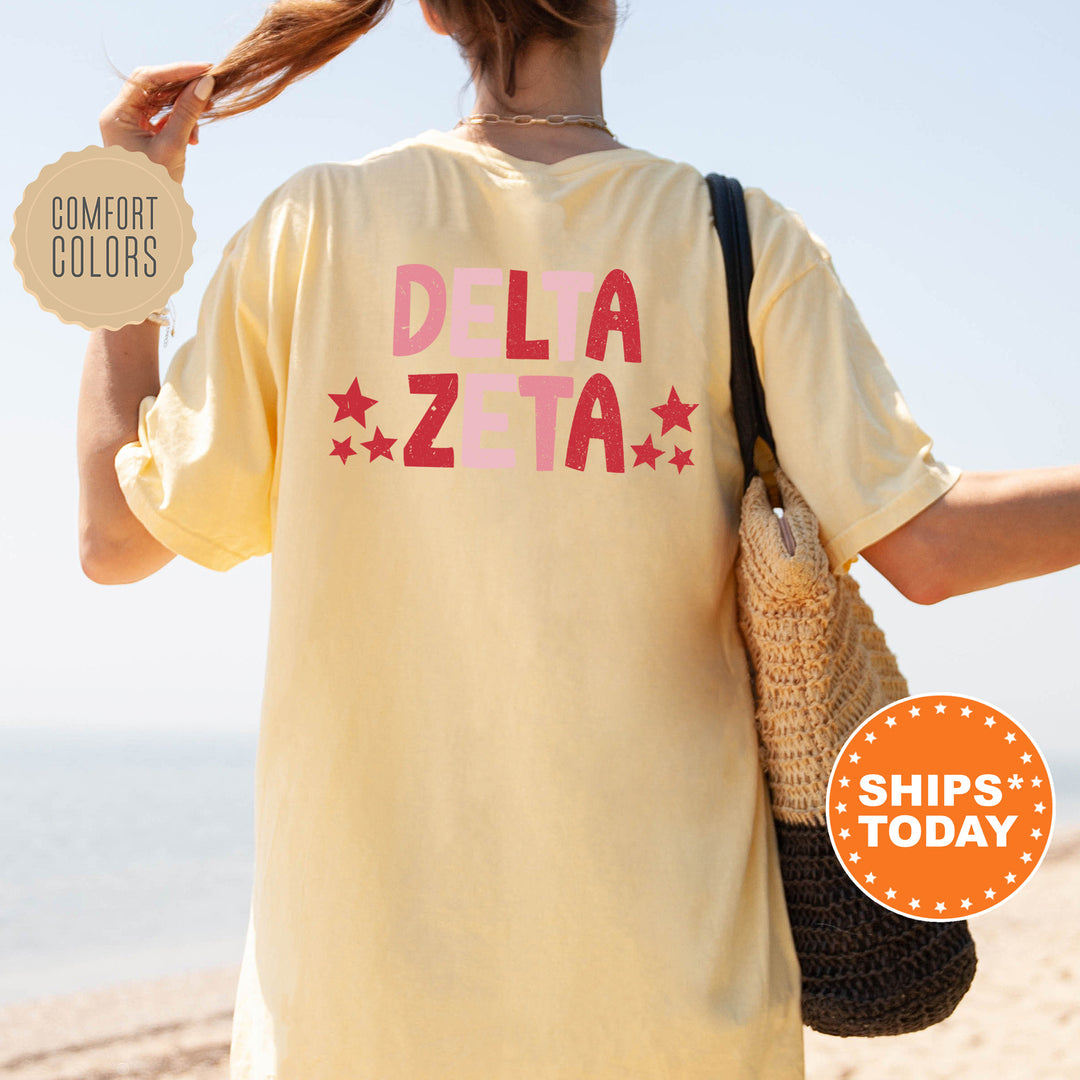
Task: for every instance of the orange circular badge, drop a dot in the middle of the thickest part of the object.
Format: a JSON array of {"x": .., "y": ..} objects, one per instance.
[{"x": 940, "y": 807}]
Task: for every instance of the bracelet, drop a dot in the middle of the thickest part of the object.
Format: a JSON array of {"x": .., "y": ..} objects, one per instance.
[{"x": 164, "y": 318}]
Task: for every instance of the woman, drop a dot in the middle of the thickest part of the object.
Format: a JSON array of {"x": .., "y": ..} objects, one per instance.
[{"x": 472, "y": 393}]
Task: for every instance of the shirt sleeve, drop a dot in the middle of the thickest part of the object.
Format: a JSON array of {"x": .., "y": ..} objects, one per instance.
[
  {"x": 202, "y": 474},
  {"x": 844, "y": 434}
]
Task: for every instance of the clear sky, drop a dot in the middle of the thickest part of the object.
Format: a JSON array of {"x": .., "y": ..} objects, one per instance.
[{"x": 932, "y": 145}]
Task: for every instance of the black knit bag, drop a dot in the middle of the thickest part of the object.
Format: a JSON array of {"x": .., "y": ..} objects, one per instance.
[{"x": 865, "y": 970}]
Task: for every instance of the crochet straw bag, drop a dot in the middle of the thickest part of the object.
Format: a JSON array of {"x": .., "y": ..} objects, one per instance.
[{"x": 820, "y": 667}]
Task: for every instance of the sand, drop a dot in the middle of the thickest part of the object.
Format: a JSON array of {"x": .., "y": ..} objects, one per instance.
[
  {"x": 1021, "y": 1018},
  {"x": 177, "y": 1027}
]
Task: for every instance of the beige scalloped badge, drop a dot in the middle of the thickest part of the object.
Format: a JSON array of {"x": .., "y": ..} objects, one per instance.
[{"x": 103, "y": 237}]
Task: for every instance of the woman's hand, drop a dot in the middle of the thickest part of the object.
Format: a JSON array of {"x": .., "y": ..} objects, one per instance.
[{"x": 128, "y": 121}]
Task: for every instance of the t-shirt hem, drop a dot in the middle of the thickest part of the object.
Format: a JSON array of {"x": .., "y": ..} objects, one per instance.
[
  {"x": 175, "y": 537},
  {"x": 931, "y": 485}
]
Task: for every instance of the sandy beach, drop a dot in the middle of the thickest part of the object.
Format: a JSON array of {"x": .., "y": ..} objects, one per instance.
[{"x": 1021, "y": 1018}]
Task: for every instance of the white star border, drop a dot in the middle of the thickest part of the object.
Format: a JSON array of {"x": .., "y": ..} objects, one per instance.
[{"x": 992, "y": 895}]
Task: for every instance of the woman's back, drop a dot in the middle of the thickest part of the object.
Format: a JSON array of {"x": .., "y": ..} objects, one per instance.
[
  {"x": 508, "y": 810},
  {"x": 510, "y": 820}
]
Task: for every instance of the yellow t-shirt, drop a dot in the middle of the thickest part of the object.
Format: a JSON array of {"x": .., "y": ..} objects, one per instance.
[{"x": 510, "y": 823}]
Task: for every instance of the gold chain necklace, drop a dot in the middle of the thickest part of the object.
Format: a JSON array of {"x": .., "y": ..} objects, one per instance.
[{"x": 555, "y": 120}]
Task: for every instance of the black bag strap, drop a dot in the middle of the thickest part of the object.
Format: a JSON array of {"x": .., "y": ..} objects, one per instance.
[{"x": 747, "y": 393}]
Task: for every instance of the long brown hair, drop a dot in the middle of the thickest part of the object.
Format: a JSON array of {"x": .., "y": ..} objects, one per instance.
[{"x": 295, "y": 37}]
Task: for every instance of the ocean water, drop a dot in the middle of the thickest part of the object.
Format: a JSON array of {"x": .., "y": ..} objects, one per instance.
[
  {"x": 122, "y": 856},
  {"x": 129, "y": 856}
]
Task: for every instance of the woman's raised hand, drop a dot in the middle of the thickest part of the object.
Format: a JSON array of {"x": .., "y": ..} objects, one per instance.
[{"x": 128, "y": 121}]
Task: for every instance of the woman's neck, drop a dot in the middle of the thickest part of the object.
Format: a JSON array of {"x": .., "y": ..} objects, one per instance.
[{"x": 550, "y": 81}]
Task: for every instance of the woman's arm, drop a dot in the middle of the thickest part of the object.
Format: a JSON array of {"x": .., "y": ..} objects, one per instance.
[
  {"x": 989, "y": 528},
  {"x": 121, "y": 366}
]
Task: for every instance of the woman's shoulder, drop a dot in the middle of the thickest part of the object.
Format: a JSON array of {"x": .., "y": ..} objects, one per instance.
[
  {"x": 780, "y": 238},
  {"x": 307, "y": 183},
  {"x": 373, "y": 165},
  {"x": 785, "y": 250},
  {"x": 783, "y": 246}
]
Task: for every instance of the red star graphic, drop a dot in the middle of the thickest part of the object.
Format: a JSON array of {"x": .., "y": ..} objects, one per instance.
[
  {"x": 379, "y": 446},
  {"x": 352, "y": 403},
  {"x": 342, "y": 449},
  {"x": 646, "y": 453},
  {"x": 680, "y": 458},
  {"x": 675, "y": 413}
]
